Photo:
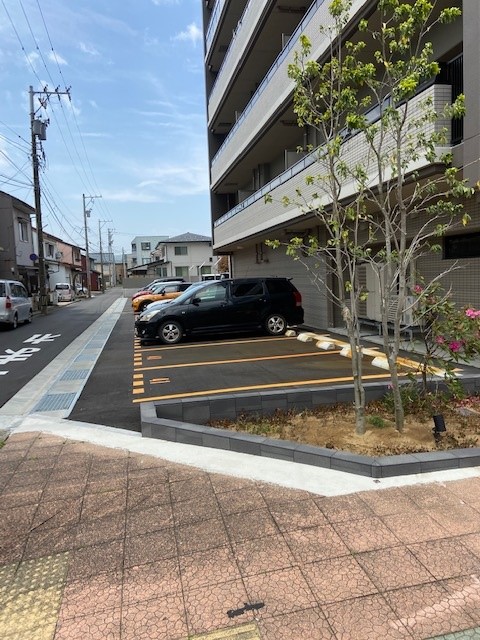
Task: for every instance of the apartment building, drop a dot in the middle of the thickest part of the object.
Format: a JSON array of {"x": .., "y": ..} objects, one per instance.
[
  {"x": 253, "y": 137},
  {"x": 142, "y": 249}
]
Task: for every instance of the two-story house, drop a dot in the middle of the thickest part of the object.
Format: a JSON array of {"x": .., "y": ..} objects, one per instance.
[
  {"x": 188, "y": 256},
  {"x": 17, "y": 250}
]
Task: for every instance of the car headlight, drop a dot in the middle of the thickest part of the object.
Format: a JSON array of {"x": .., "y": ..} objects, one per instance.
[{"x": 148, "y": 315}]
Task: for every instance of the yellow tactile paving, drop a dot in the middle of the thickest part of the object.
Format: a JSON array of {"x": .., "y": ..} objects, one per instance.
[
  {"x": 30, "y": 597},
  {"x": 243, "y": 632}
]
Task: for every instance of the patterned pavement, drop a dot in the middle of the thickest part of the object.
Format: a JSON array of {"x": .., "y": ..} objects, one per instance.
[{"x": 99, "y": 543}]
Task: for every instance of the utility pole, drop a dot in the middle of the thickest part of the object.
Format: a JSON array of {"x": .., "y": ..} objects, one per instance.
[
  {"x": 38, "y": 129},
  {"x": 111, "y": 259},
  {"x": 86, "y": 214},
  {"x": 101, "y": 255}
]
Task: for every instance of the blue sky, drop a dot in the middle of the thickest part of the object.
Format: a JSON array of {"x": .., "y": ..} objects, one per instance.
[{"x": 134, "y": 131}]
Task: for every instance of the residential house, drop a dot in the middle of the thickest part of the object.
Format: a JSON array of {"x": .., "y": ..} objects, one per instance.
[
  {"x": 104, "y": 264},
  {"x": 63, "y": 261},
  {"x": 188, "y": 256},
  {"x": 253, "y": 138},
  {"x": 17, "y": 251}
]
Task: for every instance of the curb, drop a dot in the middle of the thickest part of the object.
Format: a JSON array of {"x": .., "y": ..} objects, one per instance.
[{"x": 177, "y": 421}]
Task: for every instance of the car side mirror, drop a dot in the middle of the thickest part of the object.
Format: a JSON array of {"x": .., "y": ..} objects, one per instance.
[{"x": 196, "y": 300}]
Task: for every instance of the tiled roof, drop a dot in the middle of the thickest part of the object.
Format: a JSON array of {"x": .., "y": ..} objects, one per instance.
[{"x": 187, "y": 237}]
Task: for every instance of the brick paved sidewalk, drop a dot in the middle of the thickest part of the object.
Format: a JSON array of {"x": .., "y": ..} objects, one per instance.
[{"x": 104, "y": 544}]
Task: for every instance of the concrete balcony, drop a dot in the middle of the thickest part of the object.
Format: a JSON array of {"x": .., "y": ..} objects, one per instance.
[
  {"x": 240, "y": 41},
  {"x": 253, "y": 218},
  {"x": 276, "y": 88}
]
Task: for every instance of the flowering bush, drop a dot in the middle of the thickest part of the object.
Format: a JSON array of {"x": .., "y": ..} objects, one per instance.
[{"x": 450, "y": 334}]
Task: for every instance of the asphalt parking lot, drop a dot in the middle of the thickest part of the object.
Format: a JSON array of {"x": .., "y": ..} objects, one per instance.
[
  {"x": 247, "y": 363},
  {"x": 128, "y": 374}
]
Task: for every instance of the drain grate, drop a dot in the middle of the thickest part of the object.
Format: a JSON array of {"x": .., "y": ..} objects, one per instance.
[
  {"x": 55, "y": 402},
  {"x": 85, "y": 357},
  {"x": 243, "y": 632},
  {"x": 75, "y": 374}
]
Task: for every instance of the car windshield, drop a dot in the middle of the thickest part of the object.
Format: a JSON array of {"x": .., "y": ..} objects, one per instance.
[{"x": 188, "y": 292}]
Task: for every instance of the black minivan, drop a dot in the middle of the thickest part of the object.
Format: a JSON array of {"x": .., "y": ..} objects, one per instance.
[{"x": 242, "y": 304}]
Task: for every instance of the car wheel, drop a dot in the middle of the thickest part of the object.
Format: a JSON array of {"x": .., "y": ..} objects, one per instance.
[
  {"x": 142, "y": 307},
  {"x": 170, "y": 332},
  {"x": 29, "y": 317},
  {"x": 14, "y": 324},
  {"x": 275, "y": 324}
]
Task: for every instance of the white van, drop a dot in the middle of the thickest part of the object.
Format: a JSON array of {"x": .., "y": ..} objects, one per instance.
[
  {"x": 15, "y": 305},
  {"x": 64, "y": 291}
]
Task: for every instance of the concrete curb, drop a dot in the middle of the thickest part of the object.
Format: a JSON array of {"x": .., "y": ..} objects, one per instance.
[{"x": 183, "y": 421}]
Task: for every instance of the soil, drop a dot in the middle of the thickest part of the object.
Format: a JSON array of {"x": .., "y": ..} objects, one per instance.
[{"x": 334, "y": 428}]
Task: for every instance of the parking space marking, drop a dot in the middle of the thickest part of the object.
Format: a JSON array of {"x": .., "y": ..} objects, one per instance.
[
  {"x": 277, "y": 385},
  {"x": 237, "y": 360},
  {"x": 159, "y": 380},
  {"x": 205, "y": 345}
]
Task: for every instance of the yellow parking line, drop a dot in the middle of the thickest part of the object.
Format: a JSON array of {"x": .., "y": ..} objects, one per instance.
[
  {"x": 204, "y": 345},
  {"x": 237, "y": 361},
  {"x": 281, "y": 385}
]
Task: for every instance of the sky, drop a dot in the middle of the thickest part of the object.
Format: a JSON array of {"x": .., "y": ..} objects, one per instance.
[{"x": 133, "y": 130}]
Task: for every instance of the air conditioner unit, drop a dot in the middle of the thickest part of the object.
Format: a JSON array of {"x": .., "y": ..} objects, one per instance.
[{"x": 58, "y": 255}]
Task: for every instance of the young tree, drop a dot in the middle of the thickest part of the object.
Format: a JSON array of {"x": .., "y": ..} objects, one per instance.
[{"x": 371, "y": 101}]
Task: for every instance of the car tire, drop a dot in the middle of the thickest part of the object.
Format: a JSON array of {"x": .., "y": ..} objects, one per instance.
[
  {"x": 14, "y": 324},
  {"x": 275, "y": 324},
  {"x": 142, "y": 307},
  {"x": 29, "y": 317},
  {"x": 170, "y": 332}
]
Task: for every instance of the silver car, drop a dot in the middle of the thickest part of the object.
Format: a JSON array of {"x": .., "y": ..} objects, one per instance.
[{"x": 15, "y": 305}]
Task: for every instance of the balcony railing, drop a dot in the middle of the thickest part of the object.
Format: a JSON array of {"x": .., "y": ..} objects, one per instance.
[
  {"x": 355, "y": 150},
  {"x": 212, "y": 25},
  {"x": 292, "y": 42}
]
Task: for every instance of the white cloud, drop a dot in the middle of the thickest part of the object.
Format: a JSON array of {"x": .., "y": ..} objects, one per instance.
[
  {"x": 54, "y": 57},
  {"x": 191, "y": 34},
  {"x": 88, "y": 48},
  {"x": 32, "y": 59}
]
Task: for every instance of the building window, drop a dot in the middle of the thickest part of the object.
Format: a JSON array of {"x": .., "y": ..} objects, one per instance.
[
  {"x": 466, "y": 245},
  {"x": 205, "y": 270},
  {"x": 161, "y": 272},
  {"x": 134, "y": 247},
  {"x": 23, "y": 230},
  {"x": 181, "y": 272},
  {"x": 145, "y": 246},
  {"x": 76, "y": 255},
  {"x": 181, "y": 251},
  {"x": 49, "y": 250}
]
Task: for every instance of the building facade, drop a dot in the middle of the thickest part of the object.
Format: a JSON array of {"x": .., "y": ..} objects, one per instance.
[
  {"x": 188, "y": 256},
  {"x": 142, "y": 249},
  {"x": 253, "y": 138},
  {"x": 17, "y": 248}
]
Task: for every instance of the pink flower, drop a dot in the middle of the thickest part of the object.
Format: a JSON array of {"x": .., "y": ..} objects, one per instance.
[
  {"x": 472, "y": 313},
  {"x": 455, "y": 346},
  {"x": 417, "y": 289},
  {"x": 440, "y": 340}
]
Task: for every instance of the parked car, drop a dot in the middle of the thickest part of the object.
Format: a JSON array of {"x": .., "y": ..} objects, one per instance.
[
  {"x": 166, "y": 291},
  {"x": 154, "y": 287},
  {"x": 224, "y": 306},
  {"x": 15, "y": 305},
  {"x": 158, "y": 304},
  {"x": 65, "y": 292},
  {"x": 157, "y": 280}
]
